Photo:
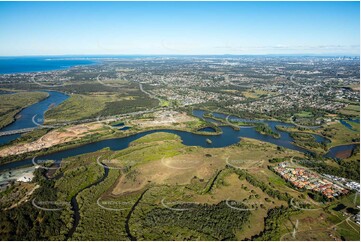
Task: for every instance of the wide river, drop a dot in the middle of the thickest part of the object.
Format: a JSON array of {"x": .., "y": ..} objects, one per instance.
[
  {"x": 25, "y": 117},
  {"x": 228, "y": 137}
]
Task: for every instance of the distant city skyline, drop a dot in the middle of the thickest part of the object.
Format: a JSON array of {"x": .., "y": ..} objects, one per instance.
[{"x": 179, "y": 28}]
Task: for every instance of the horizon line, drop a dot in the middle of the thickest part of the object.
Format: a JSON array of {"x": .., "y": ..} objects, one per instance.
[{"x": 114, "y": 55}]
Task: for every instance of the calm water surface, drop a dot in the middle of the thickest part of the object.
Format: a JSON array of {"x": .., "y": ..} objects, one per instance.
[
  {"x": 227, "y": 138},
  {"x": 207, "y": 129},
  {"x": 11, "y": 65},
  {"x": 24, "y": 118}
]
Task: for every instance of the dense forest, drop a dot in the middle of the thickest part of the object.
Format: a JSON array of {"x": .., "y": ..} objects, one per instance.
[
  {"x": 217, "y": 221},
  {"x": 29, "y": 223},
  {"x": 272, "y": 223}
]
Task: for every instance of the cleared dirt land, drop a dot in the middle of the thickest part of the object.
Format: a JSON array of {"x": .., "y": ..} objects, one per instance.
[{"x": 53, "y": 138}]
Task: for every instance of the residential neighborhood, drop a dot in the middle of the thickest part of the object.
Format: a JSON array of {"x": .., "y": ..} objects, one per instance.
[{"x": 306, "y": 179}]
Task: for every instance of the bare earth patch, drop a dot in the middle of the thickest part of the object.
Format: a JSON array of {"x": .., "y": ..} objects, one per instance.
[
  {"x": 171, "y": 171},
  {"x": 164, "y": 118},
  {"x": 52, "y": 138}
]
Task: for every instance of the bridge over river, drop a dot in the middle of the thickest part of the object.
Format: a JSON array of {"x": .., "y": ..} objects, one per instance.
[{"x": 17, "y": 131}]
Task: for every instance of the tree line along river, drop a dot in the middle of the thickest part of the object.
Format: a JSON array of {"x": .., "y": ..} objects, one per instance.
[{"x": 228, "y": 136}]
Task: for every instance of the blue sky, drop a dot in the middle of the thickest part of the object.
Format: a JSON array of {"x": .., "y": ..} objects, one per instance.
[{"x": 58, "y": 28}]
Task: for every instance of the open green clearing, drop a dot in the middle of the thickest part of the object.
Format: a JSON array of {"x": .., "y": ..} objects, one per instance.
[
  {"x": 304, "y": 114},
  {"x": 335, "y": 131},
  {"x": 93, "y": 105},
  {"x": 143, "y": 195},
  {"x": 339, "y": 134},
  {"x": 351, "y": 110}
]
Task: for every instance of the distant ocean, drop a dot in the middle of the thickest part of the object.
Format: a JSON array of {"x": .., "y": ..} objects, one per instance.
[{"x": 9, "y": 65}]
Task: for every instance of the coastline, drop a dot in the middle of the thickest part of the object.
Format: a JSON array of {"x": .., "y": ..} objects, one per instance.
[{"x": 19, "y": 64}]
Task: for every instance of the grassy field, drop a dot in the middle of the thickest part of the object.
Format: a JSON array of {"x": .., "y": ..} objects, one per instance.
[
  {"x": 309, "y": 142},
  {"x": 157, "y": 174},
  {"x": 351, "y": 110},
  {"x": 12, "y": 104},
  {"x": 339, "y": 134},
  {"x": 321, "y": 224},
  {"x": 335, "y": 131},
  {"x": 79, "y": 106},
  {"x": 255, "y": 94},
  {"x": 93, "y": 105},
  {"x": 164, "y": 103},
  {"x": 76, "y": 107},
  {"x": 180, "y": 172},
  {"x": 304, "y": 114}
]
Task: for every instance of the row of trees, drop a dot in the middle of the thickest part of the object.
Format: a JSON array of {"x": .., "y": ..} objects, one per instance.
[{"x": 264, "y": 187}]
